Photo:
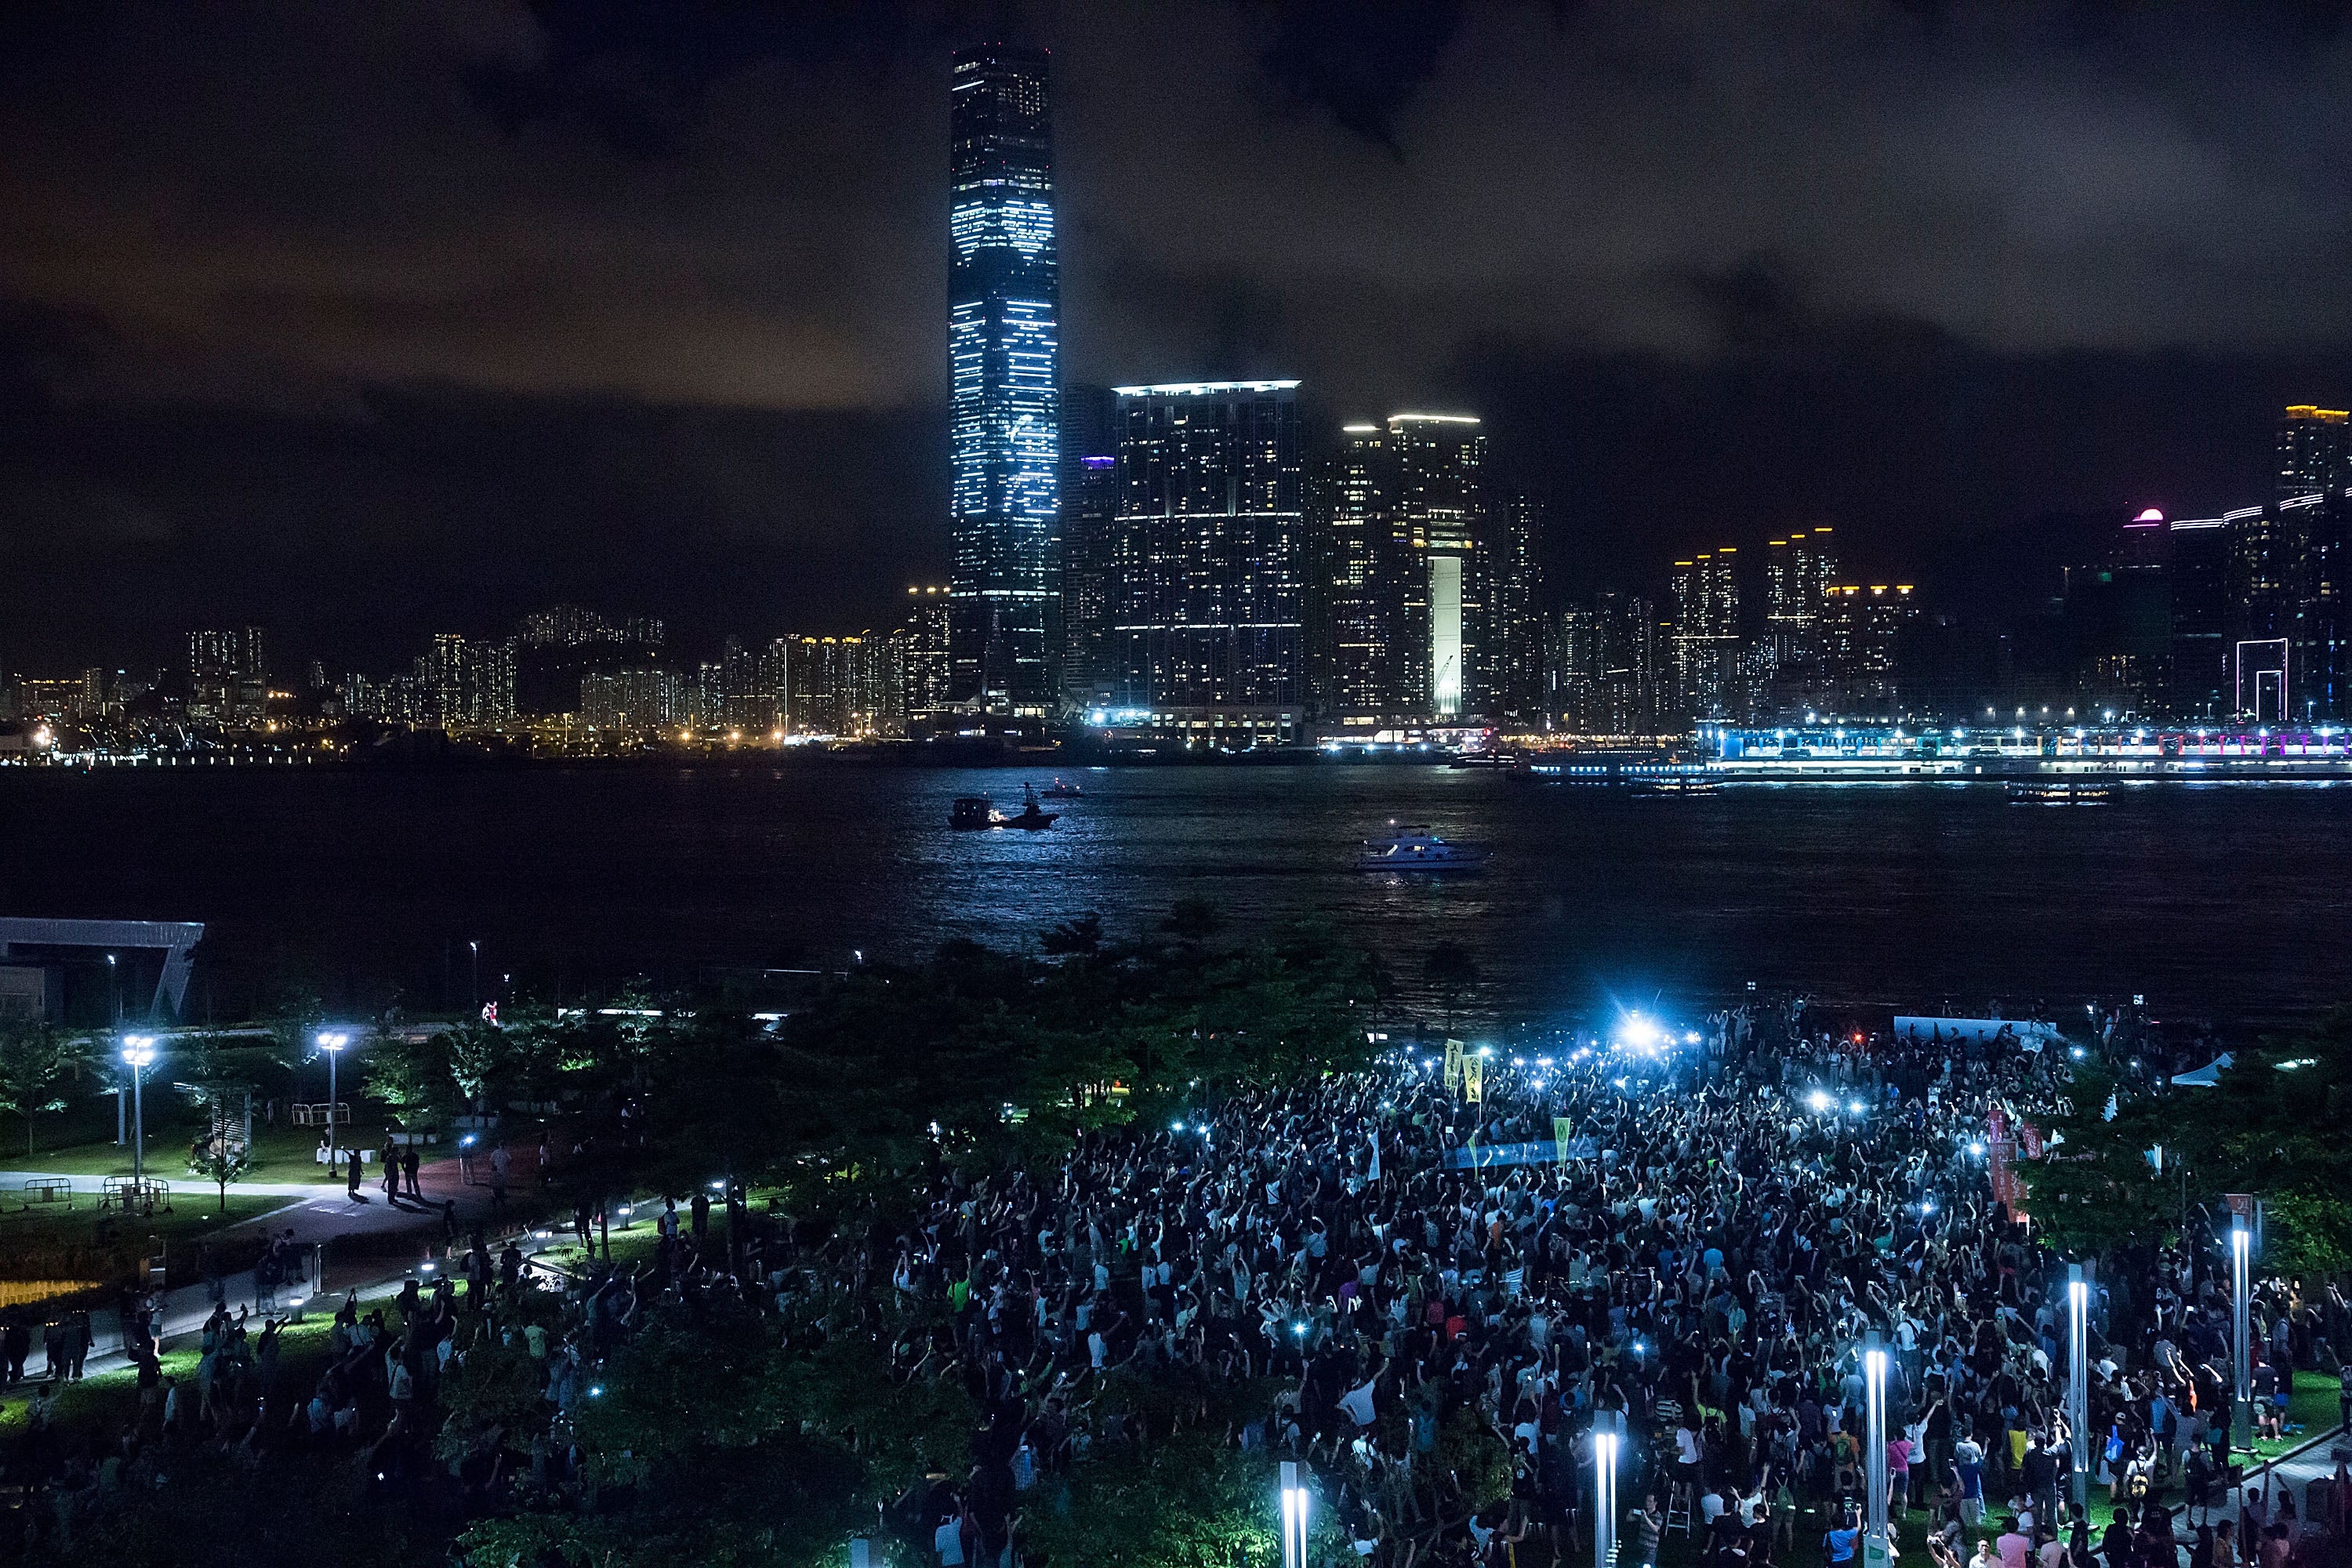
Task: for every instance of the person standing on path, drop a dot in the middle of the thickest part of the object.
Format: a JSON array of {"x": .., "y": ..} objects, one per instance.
[
  {"x": 409, "y": 1162},
  {"x": 500, "y": 1160},
  {"x": 352, "y": 1182}
]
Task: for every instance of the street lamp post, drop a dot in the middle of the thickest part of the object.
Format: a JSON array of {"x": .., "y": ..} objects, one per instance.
[
  {"x": 332, "y": 1042},
  {"x": 1873, "y": 1400},
  {"x": 2078, "y": 1383},
  {"x": 1604, "y": 1491},
  {"x": 1295, "y": 1507},
  {"x": 474, "y": 950},
  {"x": 139, "y": 1051},
  {"x": 2242, "y": 1417}
]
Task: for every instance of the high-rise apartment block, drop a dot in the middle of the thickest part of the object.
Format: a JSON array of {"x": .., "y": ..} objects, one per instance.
[
  {"x": 1705, "y": 633},
  {"x": 1207, "y": 559},
  {"x": 1003, "y": 336},
  {"x": 470, "y": 683},
  {"x": 228, "y": 675},
  {"x": 1861, "y": 630},
  {"x": 925, "y": 669},
  {"x": 1603, "y": 674},
  {"x": 1798, "y": 571}
]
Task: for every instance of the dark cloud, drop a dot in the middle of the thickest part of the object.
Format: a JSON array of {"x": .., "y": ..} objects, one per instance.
[
  {"x": 1361, "y": 61},
  {"x": 434, "y": 310}
]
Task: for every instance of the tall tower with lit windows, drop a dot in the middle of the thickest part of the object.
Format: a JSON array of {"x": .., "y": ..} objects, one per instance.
[{"x": 1004, "y": 352}]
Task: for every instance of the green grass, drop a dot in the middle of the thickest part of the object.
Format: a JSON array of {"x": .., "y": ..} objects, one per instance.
[
  {"x": 80, "y": 1244},
  {"x": 80, "y": 1141},
  {"x": 103, "y": 1404},
  {"x": 195, "y": 1212}
]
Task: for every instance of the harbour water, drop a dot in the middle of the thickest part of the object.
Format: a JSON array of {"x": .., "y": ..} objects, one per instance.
[{"x": 2229, "y": 902}]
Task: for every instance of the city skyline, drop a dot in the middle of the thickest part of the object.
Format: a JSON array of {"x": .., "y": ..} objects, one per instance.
[{"x": 729, "y": 428}]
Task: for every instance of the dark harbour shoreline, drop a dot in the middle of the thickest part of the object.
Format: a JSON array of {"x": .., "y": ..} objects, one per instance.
[{"x": 2231, "y": 903}]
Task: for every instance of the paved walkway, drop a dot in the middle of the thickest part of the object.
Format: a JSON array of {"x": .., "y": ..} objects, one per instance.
[{"x": 320, "y": 1215}]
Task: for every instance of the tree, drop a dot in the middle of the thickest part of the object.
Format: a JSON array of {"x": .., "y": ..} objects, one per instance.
[
  {"x": 36, "y": 1063},
  {"x": 1192, "y": 920},
  {"x": 1082, "y": 935},
  {"x": 220, "y": 1162},
  {"x": 2277, "y": 1123}
]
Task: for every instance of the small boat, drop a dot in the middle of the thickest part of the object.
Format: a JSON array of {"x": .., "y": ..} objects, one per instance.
[
  {"x": 2058, "y": 792},
  {"x": 977, "y": 811},
  {"x": 1057, "y": 790},
  {"x": 1416, "y": 848},
  {"x": 1033, "y": 816}
]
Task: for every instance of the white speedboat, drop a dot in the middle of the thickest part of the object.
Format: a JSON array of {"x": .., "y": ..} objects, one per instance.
[{"x": 1415, "y": 849}]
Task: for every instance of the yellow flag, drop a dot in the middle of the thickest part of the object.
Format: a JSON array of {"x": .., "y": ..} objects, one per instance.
[
  {"x": 1471, "y": 1072},
  {"x": 1561, "y": 1126},
  {"x": 1453, "y": 1067}
]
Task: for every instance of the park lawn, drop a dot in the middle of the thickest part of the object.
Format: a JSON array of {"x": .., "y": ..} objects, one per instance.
[
  {"x": 80, "y": 1142},
  {"x": 102, "y": 1405},
  {"x": 59, "y": 1242}
]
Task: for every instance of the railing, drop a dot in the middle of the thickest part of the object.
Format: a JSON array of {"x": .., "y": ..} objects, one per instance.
[
  {"x": 320, "y": 1114},
  {"x": 129, "y": 1193}
]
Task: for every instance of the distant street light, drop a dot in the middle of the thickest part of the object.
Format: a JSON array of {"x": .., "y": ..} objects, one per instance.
[
  {"x": 2078, "y": 1383},
  {"x": 332, "y": 1042},
  {"x": 1295, "y": 1505},
  {"x": 139, "y": 1050},
  {"x": 1873, "y": 1383},
  {"x": 2242, "y": 1414},
  {"x": 1604, "y": 1491}
]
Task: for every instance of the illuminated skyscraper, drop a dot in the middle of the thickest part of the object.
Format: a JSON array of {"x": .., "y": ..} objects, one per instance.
[
  {"x": 1512, "y": 673},
  {"x": 923, "y": 662},
  {"x": 2314, "y": 452},
  {"x": 1089, "y": 521},
  {"x": 1706, "y": 632},
  {"x": 1798, "y": 571},
  {"x": 1003, "y": 327},
  {"x": 1365, "y": 562},
  {"x": 1407, "y": 560},
  {"x": 1440, "y": 480},
  {"x": 1207, "y": 607}
]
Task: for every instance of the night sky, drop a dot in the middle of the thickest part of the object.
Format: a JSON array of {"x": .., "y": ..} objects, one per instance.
[{"x": 362, "y": 322}]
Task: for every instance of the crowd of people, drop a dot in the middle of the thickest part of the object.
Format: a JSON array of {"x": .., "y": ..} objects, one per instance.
[
  {"x": 1689, "y": 1247},
  {"x": 1435, "y": 1297}
]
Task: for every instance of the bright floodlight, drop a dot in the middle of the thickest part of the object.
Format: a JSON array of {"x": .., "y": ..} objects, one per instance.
[
  {"x": 333, "y": 1040},
  {"x": 1820, "y": 1101},
  {"x": 139, "y": 1050},
  {"x": 1854, "y": 1105},
  {"x": 1976, "y": 1146}
]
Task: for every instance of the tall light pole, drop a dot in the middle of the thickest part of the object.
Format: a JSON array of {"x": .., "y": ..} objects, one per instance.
[
  {"x": 332, "y": 1042},
  {"x": 1604, "y": 1490},
  {"x": 139, "y": 1050},
  {"x": 475, "y": 963},
  {"x": 2078, "y": 1383},
  {"x": 1873, "y": 1402},
  {"x": 1296, "y": 1504},
  {"x": 2242, "y": 1415}
]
